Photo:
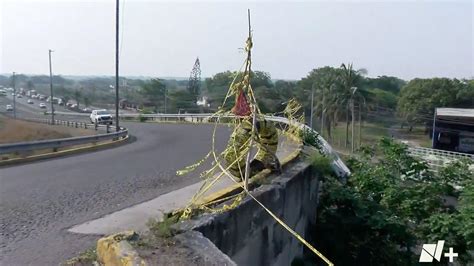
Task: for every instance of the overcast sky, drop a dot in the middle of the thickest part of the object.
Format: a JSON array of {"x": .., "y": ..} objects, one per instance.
[{"x": 400, "y": 38}]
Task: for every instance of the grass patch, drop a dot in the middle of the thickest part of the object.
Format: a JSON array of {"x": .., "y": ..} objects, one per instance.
[
  {"x": 371, "y": 133},
  {"x": 87, "y": 257},
  {"x": 321, "y": 164},
  {"x": 163, "y": 228}
]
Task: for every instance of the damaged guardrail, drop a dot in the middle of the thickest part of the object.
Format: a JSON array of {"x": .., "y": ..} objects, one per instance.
[{"x": 337, "y": 164}]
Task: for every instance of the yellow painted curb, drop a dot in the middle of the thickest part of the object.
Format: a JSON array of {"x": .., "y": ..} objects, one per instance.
[
  {"x": 62, "y": 153},
  {"x": 114, "y": 250}
]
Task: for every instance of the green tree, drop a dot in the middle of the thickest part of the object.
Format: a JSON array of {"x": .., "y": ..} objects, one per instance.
[
  {"x": 77, "y": 96},
  {"x": 419, "y": 98},
  {"x": 383, "y": 98},
  {"x": 327, "y": 88},
  {"x": 389, "y": 206},
  {"x": 183, "y": 100},
  {"x": 30, "y": 85},
  {"x": 154, "y": 91},
  {"x": 87, "y": 101},
  {"x": 385, "y": 83}
]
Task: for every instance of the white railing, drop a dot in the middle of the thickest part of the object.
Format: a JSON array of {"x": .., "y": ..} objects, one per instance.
[
  {"x": 438, "y": 159},
  {"x": 337, "y": 164}
]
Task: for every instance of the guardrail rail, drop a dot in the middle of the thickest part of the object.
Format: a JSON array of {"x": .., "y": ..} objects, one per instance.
[
  {"x": 55, "y": 144},
  {"x": 337, "y": 164}
]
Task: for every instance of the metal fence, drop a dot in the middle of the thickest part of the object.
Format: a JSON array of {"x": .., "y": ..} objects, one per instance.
[
  {"x": 438, "y": 159},
  {"x": 75, "y": 124}
]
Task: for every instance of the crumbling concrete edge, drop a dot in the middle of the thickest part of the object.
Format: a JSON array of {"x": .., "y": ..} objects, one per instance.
[
  {"x": 193, "y": 228},
  {"x": 200, "y": 244}
]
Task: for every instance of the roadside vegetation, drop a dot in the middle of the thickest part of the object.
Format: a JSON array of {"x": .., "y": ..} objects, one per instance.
[
  {"x": 390, "y": 206},
  {"x": 18, "y": 131},
  {"x": 383, "y": 106}
]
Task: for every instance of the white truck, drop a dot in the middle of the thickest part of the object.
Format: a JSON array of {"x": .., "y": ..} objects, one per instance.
[{"x": 101, "y": 116}]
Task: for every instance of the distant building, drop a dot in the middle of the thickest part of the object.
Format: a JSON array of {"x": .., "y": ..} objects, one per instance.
[
  {"x": 204, "y": 102},
  {"x": 126, "y": 104},
  {"x": 454, "y": 130}
]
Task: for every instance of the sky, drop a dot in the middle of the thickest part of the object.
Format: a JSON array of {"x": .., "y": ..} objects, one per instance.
[{"x": 406, "y": 39}]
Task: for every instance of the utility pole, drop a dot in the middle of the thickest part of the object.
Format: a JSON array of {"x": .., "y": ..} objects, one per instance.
[
  {"x": 165, "y": 99},
  {"x": 14, "y": 96},
  {"x": 354, "y": 89},
  {"x": 51, "y": 87},
  {"x": 312, "y": 107},
  {"x": 433, "y": 142},
  {"x": 117, "y": 127},
  {"x": 322, "y": 115},
  {"x": 360, "y": 124}
]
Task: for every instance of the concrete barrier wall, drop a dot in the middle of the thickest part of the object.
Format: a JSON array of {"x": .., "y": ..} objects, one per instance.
[{"x": 250, "y": 236}]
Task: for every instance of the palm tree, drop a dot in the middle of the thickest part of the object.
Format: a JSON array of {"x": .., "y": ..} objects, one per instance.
[{"x": 349, "y": 79}]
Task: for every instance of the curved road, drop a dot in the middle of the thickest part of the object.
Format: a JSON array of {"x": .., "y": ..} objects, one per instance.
[{"x": 40, "y": 201}]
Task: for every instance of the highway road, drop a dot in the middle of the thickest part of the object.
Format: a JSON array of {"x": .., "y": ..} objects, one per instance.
[{"x": 40, "y": 201}]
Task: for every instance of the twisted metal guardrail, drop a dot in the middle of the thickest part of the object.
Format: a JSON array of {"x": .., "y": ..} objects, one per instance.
[
  {"x": 64, "y": 142},
  {"x": 337, "y": 164}
]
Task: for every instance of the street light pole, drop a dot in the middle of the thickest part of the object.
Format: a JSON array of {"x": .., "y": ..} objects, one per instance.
[
  {"x": 117, "y": 127},
  {"x": 14, "y": 96},
  {"x": 354, "y": 89},
  {"x": 322, "y": 115},
  {"x": 312, "y": 107},
  {"x": 165, "y": 100},
  {"x": 51, "y": 87}
]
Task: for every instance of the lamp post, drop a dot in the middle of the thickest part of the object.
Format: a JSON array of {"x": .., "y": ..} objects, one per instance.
[
  {"x": 51, "y": 87},
  {"x": 353, "y": 89},
  {"x": 14, "y": 96},
  {"x": 312, "y": 107},
  {"x": 117, "y": 127}
]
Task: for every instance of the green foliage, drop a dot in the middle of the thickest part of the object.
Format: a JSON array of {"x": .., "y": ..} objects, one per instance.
[
  {"x": 385, "y": 83},
  {"x": 218, "y": 85},
  {"x": 321, "y": 164},
  {"x": 87, "y": 257},
  {"x": 389, "y": 206},
  {"x": 311, "y": 138},
  {"x": 383, "y": 98},
  {"x": 420, "y": 97},
  {"x": 154, "y": 91},
  {"x": 181, "y": 99},
  {"x": 162, "y": 228}
]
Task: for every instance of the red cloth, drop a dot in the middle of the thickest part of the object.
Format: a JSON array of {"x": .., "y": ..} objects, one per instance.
[{"x": 241, "y": 107}]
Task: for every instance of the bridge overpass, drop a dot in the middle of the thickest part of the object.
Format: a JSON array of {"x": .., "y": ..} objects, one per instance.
[{"x": 42, "y": 200}]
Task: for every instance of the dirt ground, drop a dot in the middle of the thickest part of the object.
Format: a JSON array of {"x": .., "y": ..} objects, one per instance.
[{"x": 18, "y": 131}]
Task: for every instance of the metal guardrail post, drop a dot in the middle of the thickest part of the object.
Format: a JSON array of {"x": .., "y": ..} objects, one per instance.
[{"x": 96, "y": 126}]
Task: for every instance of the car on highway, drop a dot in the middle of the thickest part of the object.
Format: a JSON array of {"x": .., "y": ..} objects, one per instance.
[
  {"x": 41, "y": 97},
  {"x": 9, "y": 107},
  {"x": 42, "y": 105},
  {"x": 19, "y": 96},
  {"x": 101, "y": 116},
  {"x": 3, "y": 92},
  {"x": 30, "y": 101}
]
